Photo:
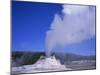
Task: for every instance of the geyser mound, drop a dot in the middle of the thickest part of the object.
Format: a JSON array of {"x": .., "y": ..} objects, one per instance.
[
  {"x": 49, "y": 63},
  {"x": 44, "y": 64}
]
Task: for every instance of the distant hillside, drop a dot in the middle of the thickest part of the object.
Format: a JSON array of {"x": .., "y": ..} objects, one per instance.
[{"x": 25, "y": 58}]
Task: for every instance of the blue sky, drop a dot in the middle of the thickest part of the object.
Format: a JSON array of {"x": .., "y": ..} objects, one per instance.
[{"x": 31, "y": 21}]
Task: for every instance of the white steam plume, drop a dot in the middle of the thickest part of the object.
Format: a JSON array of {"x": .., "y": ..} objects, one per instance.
[{"x": 78, "y": 24}]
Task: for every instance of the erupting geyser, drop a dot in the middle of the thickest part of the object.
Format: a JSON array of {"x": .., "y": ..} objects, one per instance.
[{"x": 76, "y": 25}]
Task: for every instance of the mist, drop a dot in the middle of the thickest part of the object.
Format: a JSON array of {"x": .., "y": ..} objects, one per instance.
[{"x": 77, "y": 25}]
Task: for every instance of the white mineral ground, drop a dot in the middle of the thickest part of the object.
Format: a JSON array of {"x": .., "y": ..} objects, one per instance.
[{"x": 42, "y": 65}]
